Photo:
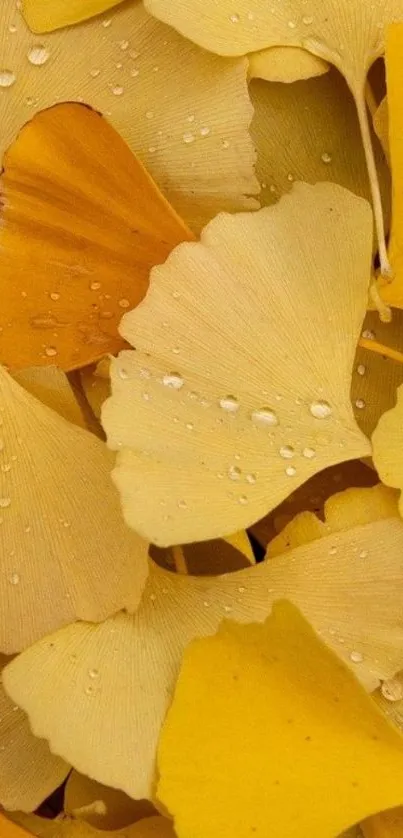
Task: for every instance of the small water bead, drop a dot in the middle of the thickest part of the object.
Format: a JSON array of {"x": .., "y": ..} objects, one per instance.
[
  {"x": 93, "y": 673},
  {"x": 225, "y": 143},
  {"x": 234, "y": 473},
  {"x": 234, "y": 18},
  {"x": 94, "y": 73},
  {"x": 251, "y": 478},
  {"x": 307, "y": 20},
  {"x": 12, "y": 28},
  {"x": 290, "y": 471},
  {"x": 287, "y": 452},
  {"x": 124, "y": 45},
  {"x": 182, "y": 504},
  {"x": 5, "y": 503},
  {"x": 243, "y": 500},
  {"x": 95, "y": 286},
  {"x": 264, "y": 417},
  {"x": 290, "y": 177},
  {"x": 188, "y": 137},
  {"x": 189, "y": 426},
  {"x": 364, "y": 554},
  {"x": 50, "y": 351},
  {"x": 173, "y": 380},
  {"x": 361, "y": 369},
  {"x": 117, "y": 90},
  {"x": 291, "y": 24},
  {"x": 54, "y": 295},
  {"x": 333, "y": 551},
  {"x": 309, "y": 453},
  {"x": 204, "y": 132},
  {"x": 38, "y": 55},
  {"x": 326, "y": 157},
  {"x": 356, "y": 657},
  {"x": 123, "y": 374},
  {"x": 149, "y": 114},
  {"x": 368, "y": 334},
  {"x": 392, "y": 689},
  {"x": 7, "y": 78},
  {"x": 89, "y": 690},
  {"x": 229, "y": 403},
  {"x": 360, "y": 404},
  {"x": 14, "y": 579},
  {"x": 107, "y": 22},
  {"x": 320, "y": 409}
]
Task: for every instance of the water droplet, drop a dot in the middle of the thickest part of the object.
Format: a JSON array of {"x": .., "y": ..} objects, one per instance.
[
  {"x": 360, "y": 404},
  {"x": 264, "y": 417},
  {"x": 241, "y": 589},
  {"x": 364, "y": 554},
  {"x": 173, "y": 380},
  {"x": 123, "y": 374},
  {"x": 89, "y": 690},
  {"x": 392, "y": 689},
  {"x": 287, "y": 452},
  {"x": 291, "y": 24},
  {"x": 368, "y": 334},
  {"x": 93, "y": 673},
  {"x": 234, "y": 473},
  {"x": 94, "y": 73},
  {"x": 14, "y": 579},
  {"x": 149, "y": 114},
  {"x": 189, "y": 426},
  {"x": 123, "y": 303},
  {"x": 290, "y": 471},
  {"x": 361, "y": 369},
  {"x": 4, "y": 503},
  {"x": 230, "y": 404},
  {"x": 356, "y": 657},
  {"x": 250, "y": 478},
  {"x": 188, "y": 137},
  {"x": 333, "y": 551},
  {"x": 234, "y": 18},
  {"x": 117, "y": 90},
  {"x": 243, "y": 500},
  {"x": 107, "y": 22},
  {"x": 204, "y": 132},
  {"x": 6, "y": 467},
  {"x": 7, "y": 78},
  {"x": 290, "y": 177},
  {"x": 326, "y": 157},
  {"x": 225, "y": 143},
  {"x": 307, "y": 20},
  {"x": 95, "y": 286},
  {"x": 228, "y": 609},
  {"x": 50, "y": 351},
  {"x": 309, "y": 453},
  {"x": 124, "y": 45},
  {"x": 320, "y": 409},
  {"x": 38, "y": 55},
  {"x": 12, "y": 28},
  {"x": 54, "y": 295},
  {"x": 182, "y": 504}
]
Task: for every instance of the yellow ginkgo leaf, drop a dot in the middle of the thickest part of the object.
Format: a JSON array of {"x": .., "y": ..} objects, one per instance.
[
  {"x": 387, "y": 446},
  {"x": 63, "y": 541},
  {"x": 105, "y": 689},
  {"x": 238, "y": 391},
  {"x": 313, "y": 757},
  {"x": 96, "y": 384},
  {"x": 28, "y": 770},
  {"x": 296, "y": 141},
  {"x": 391, "y": 121},
  {"x": 102, "y": 806},
  {"x": 47, "y": 15},
  {"x": 85, "y": 221},
  {"x": 285, "y": 64},
  {"x": 381, "y": 126},
  {"x": 51, "y": 386},
  {"x": 376, "y": 376},
  {"x": 154, "y": 827},
  {"x": 347, "y": 33},
  {"x": 385, "y": 825},
  {"x": 129, "y": 67}
]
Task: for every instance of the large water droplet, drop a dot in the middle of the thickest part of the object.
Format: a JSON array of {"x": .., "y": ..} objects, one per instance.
[
  {"x": 173, "y": 380},
  {"x": 234, "y": 473},
  {"x": 287, "y": 452},
  {"x": 392, "y": 689},
  {"x": 229, "y": 403},
  {"x": 7, "y": 78},
  {"x": 320, "y": 409},
  {"x": 264, "y": 417},
  {"x": 38, "y": 55},
  {"x": 356, "y": 657}
]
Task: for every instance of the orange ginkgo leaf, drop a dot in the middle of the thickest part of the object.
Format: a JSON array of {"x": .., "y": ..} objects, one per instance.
[{"x": 82, "y": 224}]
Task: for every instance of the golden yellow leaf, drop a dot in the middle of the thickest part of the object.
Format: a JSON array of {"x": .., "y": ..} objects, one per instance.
[
  {"x": 313, "y": 757},
  {"x": 96, "y": 385},
  {"x": 196, "y": 146},
  {"x": 47, "y": 15},
  {"x": 154, "y": 827},
  {"x": 285, "y": 64},
  {"x": 381, "y": 126},
  {"x": 105, "y": 689},
  {"x": 11, "y": 830},
  {"x": 213, "y": 432},
  {"x": 28, "y": 770},
  {"x": 385, "y": 825},
  {"x": 114, "y": 809},
  {"x": 387, "y": 447},
  {"x": 64, "y": 543},
  {"x": 51, "y": 386},
  {"x": 85, "y": 222},
  {"x": 309, "y": 131}
]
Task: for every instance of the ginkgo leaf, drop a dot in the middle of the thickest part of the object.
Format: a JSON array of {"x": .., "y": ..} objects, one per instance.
[
  {"x": 96, "y": 384},
  {"x": 385, "y": 825},
  {"x": 155, "y": 827},
  {"x": 381, "y": 126},
  {"x": 28, "y": 770},
  {"x": 64, "y": 543},
  {"x": 238, "y": 391},
  {"x": 387, "y": 447},
  {"x": 391, "y": 121},
  {"x": 285, "y": 64},
  {"x": 348, "y": 33},
  {"x": 105, "y": 689},
  {"x": 51, "y": 386},
  {"x": 312, "y": 495},
  {"x": 102, "y": 806},
  {"x": 196, "y": 146},
  {"x": 85, "y": 222},
  {"x": 47, "y": 15},
  {"x": 312, "y": 728},
  {"x": 296, "y": 141}
]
